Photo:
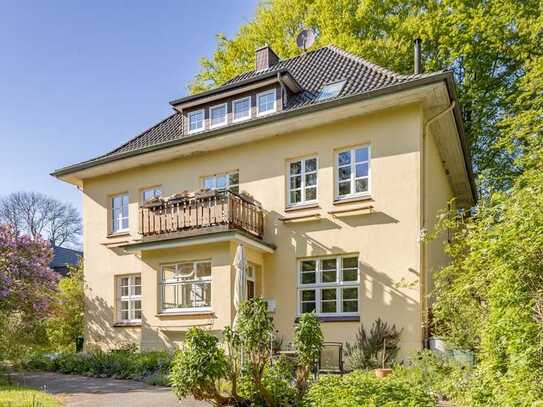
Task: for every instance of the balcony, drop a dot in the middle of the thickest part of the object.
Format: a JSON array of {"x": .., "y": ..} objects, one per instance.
[{"x": 200, "y": 213}]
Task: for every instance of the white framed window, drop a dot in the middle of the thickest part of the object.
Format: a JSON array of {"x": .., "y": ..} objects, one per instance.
[
  {"x": 195, "y": 121},
  {"x": 266, "y": 102},
  {"x": 353, "y": 172},
  {"x": 129, "y": 298},
  {"x": 242, "y": 109},
  {"x": 119, "y": 213},
  {"x": 329, "y": 285},
  {"x": 222, "y": 182},
  {"x": 302, "y": 181},
  {"x": 218, "y": 115},
  {"x": 252, "y": 271},
  {"x": 185, "y": 286},
  {"x": 151, "y": 193}
]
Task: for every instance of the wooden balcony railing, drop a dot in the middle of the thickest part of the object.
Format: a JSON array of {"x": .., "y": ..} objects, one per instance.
[{"x": 201, "y": 211}]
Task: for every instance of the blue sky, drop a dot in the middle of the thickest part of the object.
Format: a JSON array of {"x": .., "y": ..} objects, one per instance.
[{"x": 78, "y": 78}]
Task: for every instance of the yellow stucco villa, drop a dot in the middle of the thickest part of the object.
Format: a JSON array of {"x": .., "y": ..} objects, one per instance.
[{"x": 326, "y": 168}]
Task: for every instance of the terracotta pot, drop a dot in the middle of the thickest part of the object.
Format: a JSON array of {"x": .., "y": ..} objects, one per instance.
[{"x": 382, "y": 373}]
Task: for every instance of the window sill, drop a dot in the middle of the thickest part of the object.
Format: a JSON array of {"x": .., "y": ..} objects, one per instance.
[
  {"x": 184, "y": 313},
  {"x": 361, "y": 198},
  {"x": 127, "y": 325},
  {"x": 336, "y": 318},
  {"x": 118, "y": 234},
  {"x": 301, "y": 207}
]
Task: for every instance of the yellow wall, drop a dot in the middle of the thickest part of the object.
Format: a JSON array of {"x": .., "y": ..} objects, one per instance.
[{"x": 386, "y": 240}]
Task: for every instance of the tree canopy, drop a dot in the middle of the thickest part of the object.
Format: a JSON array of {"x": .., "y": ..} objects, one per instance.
[{"x": 487, "y": 44}]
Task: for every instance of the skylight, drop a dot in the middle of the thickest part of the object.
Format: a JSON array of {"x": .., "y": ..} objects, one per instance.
[{"x": 330, "y": 90}]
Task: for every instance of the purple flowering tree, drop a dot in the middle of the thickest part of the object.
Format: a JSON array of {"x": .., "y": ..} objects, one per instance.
[{"x": 27, "y": 286}]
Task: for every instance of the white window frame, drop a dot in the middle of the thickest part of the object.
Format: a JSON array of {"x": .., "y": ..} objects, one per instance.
[
  {"x": 215, "y": 176},
  {"x": 338, "y": 285},
  {"x": 121, "y": 217},
  {"x": 261, "y": 94},
  {"x": 224, "y": 122},
  {"x": 154, "y": 190},
  {"x": 353, "y": 178},
  {"x": 302, "y": 188},
  {"x": 194, "y": 112},
  {"x": 162, "y": 283},
  {"x": 247, "y": 117},
  {"x": 131, "y": 298}
]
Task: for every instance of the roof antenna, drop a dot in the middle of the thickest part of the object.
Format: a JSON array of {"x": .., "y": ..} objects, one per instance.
[{"x": 306, "y": 39}]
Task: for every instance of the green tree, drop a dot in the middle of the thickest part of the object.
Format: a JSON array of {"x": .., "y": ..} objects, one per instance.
[
  {"x": 65, "y": 322},
  {"x": 485, "y": 43},
  {"x": 309, "y": 341}
]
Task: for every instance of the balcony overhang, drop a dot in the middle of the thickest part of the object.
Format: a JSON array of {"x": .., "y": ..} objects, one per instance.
[{"x": 217, "y": 234}]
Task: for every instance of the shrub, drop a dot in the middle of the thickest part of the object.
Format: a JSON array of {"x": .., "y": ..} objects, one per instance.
[
  {"x": 365, "y": 390},
  {"x": 378, "y": 348},
  {"x": 308, "y": 340}
]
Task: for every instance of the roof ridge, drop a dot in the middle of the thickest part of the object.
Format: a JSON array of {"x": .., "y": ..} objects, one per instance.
[{"x": 139, "y": 134}]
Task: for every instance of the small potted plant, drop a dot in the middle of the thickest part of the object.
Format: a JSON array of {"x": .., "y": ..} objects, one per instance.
[{"x": 383, "y": 371}]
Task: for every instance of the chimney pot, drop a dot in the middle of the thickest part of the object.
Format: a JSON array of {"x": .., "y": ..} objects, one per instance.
[
  {"x": 418, "y": 56},
  {"x": 265, "y": 57}
]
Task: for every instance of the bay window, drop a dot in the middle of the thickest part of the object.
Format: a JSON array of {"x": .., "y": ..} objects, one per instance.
[{"x": 328, "y": 285}]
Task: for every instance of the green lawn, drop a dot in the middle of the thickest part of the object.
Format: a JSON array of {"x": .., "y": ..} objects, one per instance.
[{"x": 18, "y": 396}]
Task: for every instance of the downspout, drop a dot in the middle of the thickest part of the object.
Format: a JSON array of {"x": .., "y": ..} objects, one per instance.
[
  {"x": 423, "y": 226},
  {"x": 284, "y": 94}
]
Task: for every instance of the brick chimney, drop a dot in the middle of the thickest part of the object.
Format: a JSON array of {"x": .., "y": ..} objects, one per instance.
[{"x": 265, "y": 57}]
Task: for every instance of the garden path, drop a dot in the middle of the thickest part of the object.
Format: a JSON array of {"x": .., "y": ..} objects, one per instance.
[{"x": 81, "y": 391}]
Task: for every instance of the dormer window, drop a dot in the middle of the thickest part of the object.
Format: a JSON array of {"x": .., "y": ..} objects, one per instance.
[
  {"x": 242, "y": 109},
  {"x": 265, "y": 102},
  {"x": 218, "y": 115},
  {"x": 195, "y": 121},
  {"x": 330, "y": 90}
]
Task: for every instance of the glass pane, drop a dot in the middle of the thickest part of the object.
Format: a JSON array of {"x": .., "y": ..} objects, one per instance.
[
  {"x": 350, "y": 293},
  {"x": 329, "y": 276},
  {"x": 124, "y": 291},
  {"x": 125, "y": 224},
  {"x": 168, "y": 272},
  {"x": 221, "y": 181},
  {"x": 349, "y": 262},
  {"x": 241, "y": 108},
  {"x": 311, "y": 194},
  {"x": 308, "y": 307},
  {"x": 295, "y": 196},
  {"x": 185, "y": 292},
  {"x": 117, "y": 202},
  {"x": 218, "y": 115},
  {"x": 201, "y": 295},
  {"x": 137, "y": 290},
  {"x": 344, "y": 173},
  {"x": 311, "y": 165},
  {"x": 137, "y": 314},
  {"x": 209, "y": 183},
  {"x": 309, "y": 278},
  {"x": 184, "y": 271},
  {"x": 295, "y": 182},
  {"x": 124, "y": 281},
  {"x": 329, "y": 264},
  {"x": 350, "y": 275},
  {"x": 137, "y": 280},
  {"x": 125, "y": 211},
  {"x": 362, "y": 185},
  {"x": 311, "y": 179},
  {"x": 308, "y": 295},
  {"x": 233, "y": 178},
  {"x": 361, "y": 154},
  {"x": 295, "y": 167},
  {"x": 362, "y": 170},
  {"x": 124, "y": 315},
  {"x": 309, "y": 265},
  {"x": 345, "y": 188},
  {"x": 203, "y": 270},
  {"x": 169, "y": 296},
  {"x": 344, "y": 158},
  {"x": 137, "y": 304},
  {"x": 328, "y": 306},
  {"x": 350, "y": 306},
  {"x": 124, "y": 305},
  {"x": 328, "y": 294}
]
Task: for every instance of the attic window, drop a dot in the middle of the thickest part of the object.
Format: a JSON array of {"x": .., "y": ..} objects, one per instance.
[{"x": 330, "y": 90}]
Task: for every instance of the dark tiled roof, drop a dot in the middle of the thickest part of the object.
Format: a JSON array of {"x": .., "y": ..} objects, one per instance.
[
  {"x": 63, "y": 256},
  {"x": 311, "y": 70}
]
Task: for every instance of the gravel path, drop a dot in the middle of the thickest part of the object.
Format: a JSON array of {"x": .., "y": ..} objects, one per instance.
[{"x": 81, "y": 391}]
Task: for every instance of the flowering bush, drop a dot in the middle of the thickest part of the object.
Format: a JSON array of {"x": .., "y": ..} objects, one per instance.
[{"x": 27, "y": 285}]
